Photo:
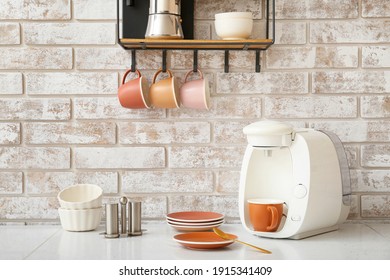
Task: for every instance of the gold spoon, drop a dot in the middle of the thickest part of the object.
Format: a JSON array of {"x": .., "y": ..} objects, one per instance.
[{"x": 223, "y": 235}]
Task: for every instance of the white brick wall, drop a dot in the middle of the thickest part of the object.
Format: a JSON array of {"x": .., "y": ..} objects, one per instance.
[
  {"x": 71, "y": 83},
  {"x": 70, "y": 133},
  {"x": 34, "y": 109},
  {"x": 94, "y": 9},
  {"x": 163, "y": 132},
  {"x": 50, "y": 183},
  {"x": 119, "y": 158},
  {"x": 70, "y": 33},
  {"x": 11, "y": 83},
  {"x": 312, "y": 57},
  {"x": 34, "y": 158},
  {"x": 35, "y": 10},
  {"x": 354, "y": 31},
  {"x": 35, "y": 58},
  {"x": 9, "y": 133},
  {"x": 167, "y": 181},
  {"x": 61, "y": 122},
  {"x": 10, "y": 33},
  {"x": 317, "y": 9},
  {"x": 268, "y": 83},
  {"x": 11, "y": 183},
  {"x": 311, "y": 107}
]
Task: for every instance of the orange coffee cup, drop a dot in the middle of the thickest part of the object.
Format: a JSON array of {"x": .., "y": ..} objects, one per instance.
[
  {"x": 134, "y": 94},
  {"x": 196, "y": 93},
  {"x": 265, "y": 214},
  {"x": 164, "y": 93}
]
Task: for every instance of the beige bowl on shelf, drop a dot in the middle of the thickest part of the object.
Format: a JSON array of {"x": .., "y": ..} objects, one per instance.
[
  {"x": 234, "y": 25},
  {"x": 80, "y": 220},
  {"x": 81, "y": 196}
]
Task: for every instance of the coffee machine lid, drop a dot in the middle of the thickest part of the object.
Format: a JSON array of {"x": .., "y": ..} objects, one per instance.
[
  {"x": 269, "y": 134},
  {"x": 268, "y": 128}
]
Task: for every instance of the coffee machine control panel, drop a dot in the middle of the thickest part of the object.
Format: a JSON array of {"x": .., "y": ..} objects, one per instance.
[{"x": 300, "y": 191}]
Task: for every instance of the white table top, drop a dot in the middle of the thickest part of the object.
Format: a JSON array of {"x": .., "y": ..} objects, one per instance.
[{"x": 42, "y": 242}]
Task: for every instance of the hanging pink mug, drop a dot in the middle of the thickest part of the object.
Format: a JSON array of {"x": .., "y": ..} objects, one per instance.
[
  {"x": 134, "y": 94},
  {"x": 196, "y": 93}
]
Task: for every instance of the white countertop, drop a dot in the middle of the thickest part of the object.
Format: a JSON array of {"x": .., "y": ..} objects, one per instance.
[{"x": 43, "y": 242}]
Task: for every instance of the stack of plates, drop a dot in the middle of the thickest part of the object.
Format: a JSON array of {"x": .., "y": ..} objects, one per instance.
[{"x": 195, "y": 221}]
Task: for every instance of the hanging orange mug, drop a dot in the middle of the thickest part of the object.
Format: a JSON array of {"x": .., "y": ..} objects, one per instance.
[
  {"x": 165, "y": 93},
  {"x": 134, "y": 94}
]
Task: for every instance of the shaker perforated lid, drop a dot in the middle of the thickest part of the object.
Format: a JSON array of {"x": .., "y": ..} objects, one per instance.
[{"x": 269, "y": 134}]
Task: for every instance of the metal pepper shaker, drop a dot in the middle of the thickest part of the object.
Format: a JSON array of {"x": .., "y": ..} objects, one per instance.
[
  {"x": 112, "y": 226},
  {"x": 123, "y": 203},
  {"x": 134, "y": 216}
]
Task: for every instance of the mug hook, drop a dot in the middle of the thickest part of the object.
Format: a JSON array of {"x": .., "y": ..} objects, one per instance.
[
  {"x": 226, "y": 61},
  {"x": 258, "y": 66},
  {"x": 195, "y": 65},
  {"x": 133, "y": 61},
  {"x": 164, "y": 61}
]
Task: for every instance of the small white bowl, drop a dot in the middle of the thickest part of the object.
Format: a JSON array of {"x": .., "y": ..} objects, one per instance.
[
  {"x": 81, "y": 196},
  {"x": 234, "y": 15},
  {"x": 234, "y": 26},
  {"x": 80, "y": 220}
]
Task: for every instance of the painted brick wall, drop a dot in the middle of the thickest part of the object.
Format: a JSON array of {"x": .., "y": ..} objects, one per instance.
[{"x": 61, "y": 123}]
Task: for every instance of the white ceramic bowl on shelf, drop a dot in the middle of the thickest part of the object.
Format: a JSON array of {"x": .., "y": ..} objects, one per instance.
[
  {"x": 81, "y": 196},
  {"x": 80, "y": 219},
  {"x": 234, "y": 25}
]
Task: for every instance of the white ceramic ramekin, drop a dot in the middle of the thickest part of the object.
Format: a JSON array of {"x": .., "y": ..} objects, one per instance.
[
  {"x": 81, "y": 196},
  {"x": 80, "y": 220}
]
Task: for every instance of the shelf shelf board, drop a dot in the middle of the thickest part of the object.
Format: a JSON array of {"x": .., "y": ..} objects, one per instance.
[{"x": 144, "y": 44}]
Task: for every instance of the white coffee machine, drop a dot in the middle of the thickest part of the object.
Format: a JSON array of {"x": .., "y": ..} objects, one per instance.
[{"x": 305, "y": 168}]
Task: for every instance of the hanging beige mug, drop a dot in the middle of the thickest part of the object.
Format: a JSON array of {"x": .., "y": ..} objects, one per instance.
[
  {"x": 164, "y": 93},
  {"x": 134, "y": 94},
  {"x": 196, "y": 93}
]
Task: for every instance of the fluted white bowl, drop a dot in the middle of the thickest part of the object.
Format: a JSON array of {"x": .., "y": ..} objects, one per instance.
[
  {"x": 81, "y": 196},
  {"x": 234, "y": 26},
  {"x": 81, "y": 219}
]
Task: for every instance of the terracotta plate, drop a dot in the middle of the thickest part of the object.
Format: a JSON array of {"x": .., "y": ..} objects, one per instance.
[
  {"x": 172, "y": 222},
  {"x": 194, "y": 227},
  {"x": 203, "y": 240},
  {"x": 194, "y": 216}
]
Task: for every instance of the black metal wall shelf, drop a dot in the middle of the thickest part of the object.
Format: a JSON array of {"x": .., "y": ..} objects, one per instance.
[{"x": 131, "y": 31}]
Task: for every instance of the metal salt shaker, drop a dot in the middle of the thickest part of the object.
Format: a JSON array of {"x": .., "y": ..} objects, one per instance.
[
  {"x": 134, "y": 216},
  {"x": 112, "y": 226},
  {"x": 123, "y": 202}
]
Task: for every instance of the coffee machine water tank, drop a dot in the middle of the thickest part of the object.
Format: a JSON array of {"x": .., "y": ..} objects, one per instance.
[{"x": 305, "y": 168}]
